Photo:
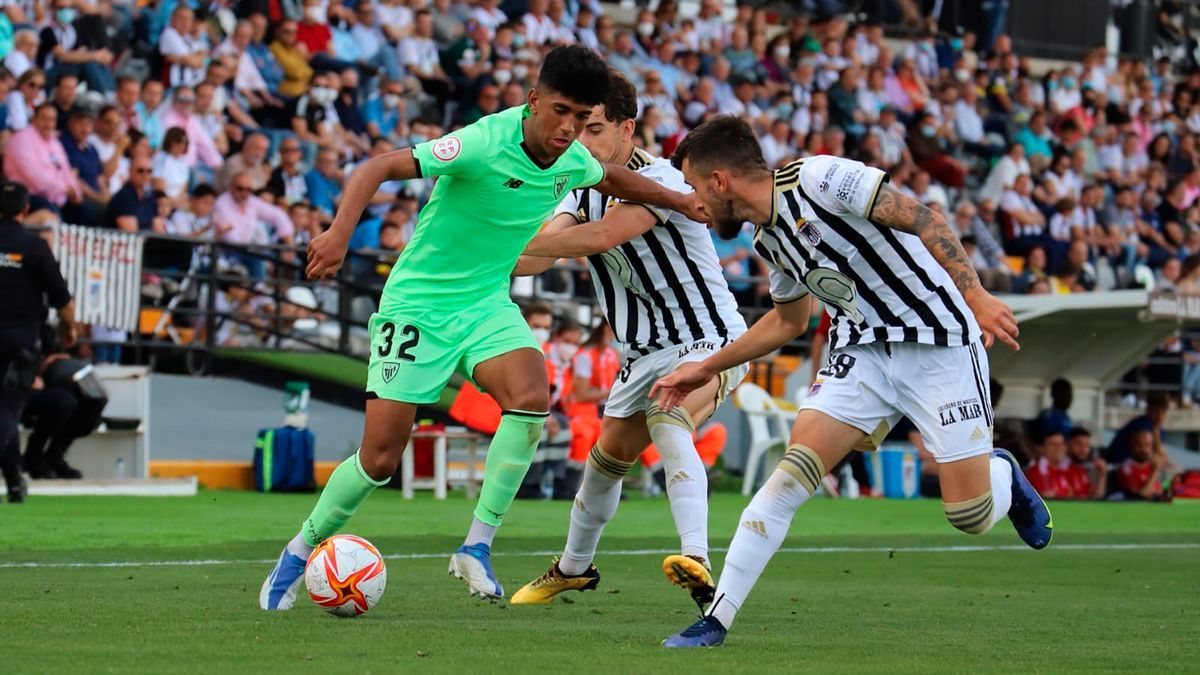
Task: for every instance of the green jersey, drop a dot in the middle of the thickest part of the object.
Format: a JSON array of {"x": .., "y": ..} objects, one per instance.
[{"x": 490, "y": 199}]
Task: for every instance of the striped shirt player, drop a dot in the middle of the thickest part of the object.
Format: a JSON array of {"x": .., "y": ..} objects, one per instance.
[
  {"x": 662, "y": 292},
  {"x": 904, "y": 341},
  {"x": 878, "y": 284},
  {"x": 883, "y": 288}
]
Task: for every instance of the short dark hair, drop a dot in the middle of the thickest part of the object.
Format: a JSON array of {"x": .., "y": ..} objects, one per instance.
[
  {"x": 14, "y": 198},
  {"x": 174, "y": 135},
  {"x": 621, "y": 103},
  {"x": 725, "y": 141},
  {"x": 203, "y": 190},
  {"x": 1077, "y": 432},
  {"x": 575, "y": 72}
]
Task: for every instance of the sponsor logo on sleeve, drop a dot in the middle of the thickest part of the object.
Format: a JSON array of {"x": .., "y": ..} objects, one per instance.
[{"x": 446, "y": 149}]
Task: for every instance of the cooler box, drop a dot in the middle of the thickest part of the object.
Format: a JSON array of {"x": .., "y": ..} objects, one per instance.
[{"x": 896, "y": 468}]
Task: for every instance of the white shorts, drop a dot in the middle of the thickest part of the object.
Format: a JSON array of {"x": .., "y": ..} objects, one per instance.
[
  {"x": 629, "y": 393},
  {"x": 943, "y": 390}
]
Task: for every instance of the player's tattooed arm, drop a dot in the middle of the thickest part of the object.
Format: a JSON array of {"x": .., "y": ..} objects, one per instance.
[
  {"x": 630, "y": 186},
  {"x": 901, "y": 212}
]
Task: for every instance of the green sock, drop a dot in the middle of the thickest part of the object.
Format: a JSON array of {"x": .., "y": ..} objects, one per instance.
[
  {"x": 348, "y": 487},
  {"x": 508, "y": 459}
]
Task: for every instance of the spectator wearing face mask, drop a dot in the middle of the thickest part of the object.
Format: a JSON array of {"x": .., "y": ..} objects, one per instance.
[
  {"x": 927, "y": 142},
  {"x": 314, "y": 117},
  {"x": 385, "y": 111}
]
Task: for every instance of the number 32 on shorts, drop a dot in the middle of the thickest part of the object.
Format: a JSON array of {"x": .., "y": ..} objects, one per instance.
[{"x": 388, "y": 331}]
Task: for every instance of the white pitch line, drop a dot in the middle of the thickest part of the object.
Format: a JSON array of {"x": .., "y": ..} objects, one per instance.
[{"x": 631, "y": 552}]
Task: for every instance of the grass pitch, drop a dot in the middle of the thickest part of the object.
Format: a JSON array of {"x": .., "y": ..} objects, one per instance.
[{"x": 171, "y": 585}]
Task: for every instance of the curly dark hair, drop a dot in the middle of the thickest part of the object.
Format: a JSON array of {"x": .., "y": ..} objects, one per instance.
[
  {"x": 621, "y": 103},
  {"x": 724, "y": 141},
  {"x": 575, "y": 72}
]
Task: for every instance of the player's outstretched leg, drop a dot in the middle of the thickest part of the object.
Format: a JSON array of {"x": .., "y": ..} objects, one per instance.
[
  {"x": 687, "y": 490},
  {"x": 517, "y": 380},
  {"x": 508, "y": 459},
  {"x": 818, "y": 441},
  {"x": 599, "y": 494},
  {"x": 386, "y": 434},
  {"x": 764, "y": 524}
]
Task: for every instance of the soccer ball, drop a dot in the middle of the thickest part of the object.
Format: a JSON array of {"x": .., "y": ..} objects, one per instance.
[{"x": 345, "y": 575}]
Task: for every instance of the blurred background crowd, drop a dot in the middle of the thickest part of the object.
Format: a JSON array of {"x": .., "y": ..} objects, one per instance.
[{"x": 240, "y": 120}]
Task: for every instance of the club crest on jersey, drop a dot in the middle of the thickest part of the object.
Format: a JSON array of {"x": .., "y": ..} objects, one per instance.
[
  {"x": 560, "y": 184},
  {"x": 390, "y": 368},
  {"x": 815, "y": 387},
  {"x": 810, "y": 233},
  {"x": 447, "y": 148}
]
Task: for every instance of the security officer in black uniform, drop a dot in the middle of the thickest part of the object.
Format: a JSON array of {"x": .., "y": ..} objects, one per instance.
[{"x": 29, "y": 281}]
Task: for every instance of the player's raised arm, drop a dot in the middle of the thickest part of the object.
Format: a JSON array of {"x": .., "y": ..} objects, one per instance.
[
  {"x": 784, "y": 323},
  {"x": 621, "y": 223},
  {"x": 327, "y": 250},
  {"x": 900, "y": 212},
  {"x": 629, "y": 186}
]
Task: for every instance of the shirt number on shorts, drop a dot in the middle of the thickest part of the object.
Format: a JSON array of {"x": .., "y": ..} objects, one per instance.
[
  {"x": 835, "y": 288},
  {"x": 388, "y": 332},
  {"x": 623, "y": 375},
  {"x": 839, "y": 366}
]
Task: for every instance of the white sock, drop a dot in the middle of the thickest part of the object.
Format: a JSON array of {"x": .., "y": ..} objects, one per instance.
[
  {"x": 764, "y": 524},
  {"x": 1002, "y": 479},
  {"x": 298, "y": 547},
  {"x": 595, "y": 504},
  {"x": 480, "y": 533},
  {"x": 687, "y": 486}
]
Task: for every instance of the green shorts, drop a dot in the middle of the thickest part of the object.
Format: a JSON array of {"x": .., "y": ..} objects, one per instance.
[{"x": 415, "y": 350}]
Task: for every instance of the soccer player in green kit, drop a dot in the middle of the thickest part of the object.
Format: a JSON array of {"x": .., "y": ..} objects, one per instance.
[{"x": 446, "y": 305}]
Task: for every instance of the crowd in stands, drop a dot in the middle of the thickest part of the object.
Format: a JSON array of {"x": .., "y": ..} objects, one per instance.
[
  {"x": 1058, "y": 179},
  {"x": 240, "y": 120}
]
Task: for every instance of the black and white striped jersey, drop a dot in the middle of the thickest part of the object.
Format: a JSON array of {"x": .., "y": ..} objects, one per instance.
[
  {"x": 663, "y": 288},
  {"x": 878, "y": 284}
]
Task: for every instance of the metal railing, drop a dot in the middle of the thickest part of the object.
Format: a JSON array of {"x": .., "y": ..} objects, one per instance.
[{"x": 201, "y": 296}]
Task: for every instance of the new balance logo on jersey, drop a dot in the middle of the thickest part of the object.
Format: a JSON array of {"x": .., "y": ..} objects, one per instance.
[
  {"x": 679, "y": 477},
  {"x": 756, "y": 526},
  {"x": 513, "y": 183}
]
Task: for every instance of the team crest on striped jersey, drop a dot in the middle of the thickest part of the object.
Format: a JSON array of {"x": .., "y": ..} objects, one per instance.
[{"x": 810, "y": 233}]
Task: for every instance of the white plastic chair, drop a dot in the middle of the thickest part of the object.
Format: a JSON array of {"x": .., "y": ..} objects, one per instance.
[{"x": 761, "y": 414}]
